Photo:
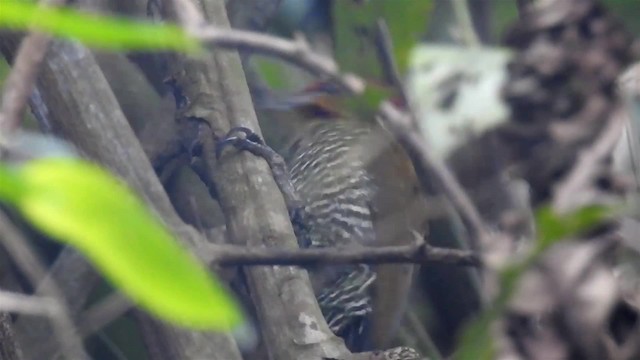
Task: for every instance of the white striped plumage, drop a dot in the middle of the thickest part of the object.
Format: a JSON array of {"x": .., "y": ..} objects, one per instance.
[{"x": 327, "y": 164}]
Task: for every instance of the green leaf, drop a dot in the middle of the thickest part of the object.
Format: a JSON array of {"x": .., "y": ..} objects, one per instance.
[
  {"x": 85, "y": 207},
  {"x": 100, "y": 31},
  {"x": 354, "y": 32},
  {"x": 553, "y": 227},
  {"x": 367, "y": 104},
  {"x": 476, "y": 341},
  {"x": 11, "y": 186},
  {"x": 625, "y": 10},
  {"x": 273, "y": 72}
]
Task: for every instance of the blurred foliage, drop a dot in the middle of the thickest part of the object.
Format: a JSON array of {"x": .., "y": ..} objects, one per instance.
[
  {"x": 628, "y": 11},
  {"x": 279, "y": 75},
  {"x": 552, "y": 227},
  {"x": 80, "y": 204},
  {"x": 506, "y": 12},
  {"x": 476, "y": 342},
  {"x": 354, "y": 33},
  {"x": 357, "y": 50},
  {"x": 100, "y": 31},
  {"x": 124, "y": 339}
]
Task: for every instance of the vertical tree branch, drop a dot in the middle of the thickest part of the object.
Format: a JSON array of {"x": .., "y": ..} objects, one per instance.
[
  {"x": 17, "y": 246},
  {"x": 292, "y": 324},
  {"x": 9, "y": 349},
  {"x": 22, "y": 77},
  {"x": 82, "y": 108}
]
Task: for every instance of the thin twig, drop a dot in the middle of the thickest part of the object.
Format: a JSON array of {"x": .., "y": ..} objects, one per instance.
[
  {"x": 100, "y": 315},
  {"x": 403, "y": 127},
  {"x": 419, "y": 253},
  {"x": 188, "y": 15},
  {"x": 116, "y": 304},
  {"x": 27, "y": 304},
  {"x": 297, "y": 52},
  {"x": 117, "y": 353},
  {"x": 29, "y": 264},
  {"x": 22, "y": 77},
  {"x": 573, "y": 189},
  {"x": 384, "y": 46},
  {"x": 465, "y": 24}
]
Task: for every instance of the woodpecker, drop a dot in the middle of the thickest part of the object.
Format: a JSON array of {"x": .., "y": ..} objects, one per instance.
[
  {"x": 356, "y": 187},
  {"x": 328, "y": 169}
]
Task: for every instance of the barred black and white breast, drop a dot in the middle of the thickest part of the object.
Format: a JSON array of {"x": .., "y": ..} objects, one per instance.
[
  {"x": 328, "y": 164},
  {"x": 328, "y": 169}
]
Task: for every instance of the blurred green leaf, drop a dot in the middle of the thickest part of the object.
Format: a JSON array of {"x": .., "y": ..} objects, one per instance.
[
  {"x": 355, "y": 29},
  {"x": 100, "y": 31},
  {"x": 476, "y": 341},
  {"x": 367, "y": 104},
  {"x": 505, "y": 13},
  {"x": 273, "y": 72},
  {"x": 627, "y": 11},
  {"x": 11, "y": 186},
  {"x": 553, "y": 227},
  {"x": 82, "y": 205}
]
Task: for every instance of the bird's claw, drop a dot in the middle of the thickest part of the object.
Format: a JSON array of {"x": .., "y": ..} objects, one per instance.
[{"x": 237, "y": 136}]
